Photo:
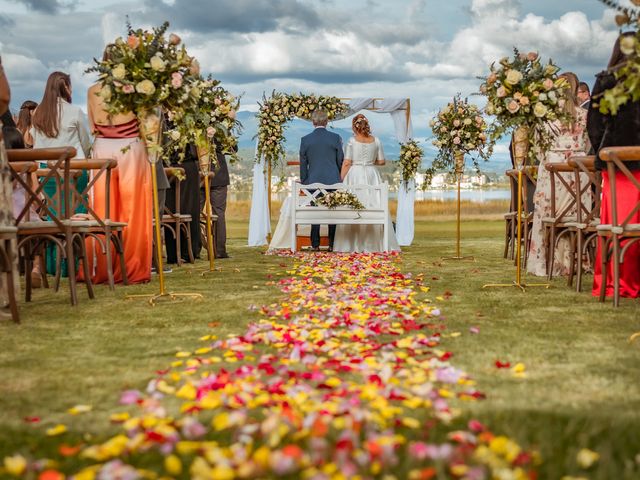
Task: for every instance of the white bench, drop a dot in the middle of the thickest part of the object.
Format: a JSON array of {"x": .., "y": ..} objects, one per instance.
[{"x": 305, "y": 212}]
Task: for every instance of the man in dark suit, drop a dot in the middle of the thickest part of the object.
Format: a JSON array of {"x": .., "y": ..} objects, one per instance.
[{"x": 321, "y": 159}]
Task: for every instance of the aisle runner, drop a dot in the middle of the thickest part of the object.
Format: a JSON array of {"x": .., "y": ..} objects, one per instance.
[{"x": 344, "y": 378}]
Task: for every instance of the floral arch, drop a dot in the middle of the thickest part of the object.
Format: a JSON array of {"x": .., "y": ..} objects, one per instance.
[{"x": 281, "y": 108}]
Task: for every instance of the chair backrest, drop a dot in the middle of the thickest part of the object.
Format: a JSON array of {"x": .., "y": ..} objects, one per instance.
[
  {"x": 306, "y": 195},
  {"x": 557, "y": 179},
  {"x": 588, "y": 180},
  {"x": 175, "y": 175},
  {"x": 58, "y": 162},
  {"x": 615, "y": 158}
]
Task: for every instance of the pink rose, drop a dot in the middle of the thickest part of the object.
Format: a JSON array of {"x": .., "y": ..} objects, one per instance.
[
  {"x": 532, "y": 56},
  {"x": 133, "y": 41},
  {"x": 513, "y": 106},
  {"x": 524, "y": 101},
  {"x": 174, "y": 39},
  {"x": 547, "y": 84},
  {"x": 217, "y": 101},
  {"x": 211, "y": 132},
  {"x": 501, "y": 92},
  {"x": 456, "y": 140},
  {"x": 492, "y": 78},
  {"x": 456, "y": 123},
  {"x": 176, "y": 79},
  {"x": 128, "y": 89},
  {"x": 232, "y": 114}
]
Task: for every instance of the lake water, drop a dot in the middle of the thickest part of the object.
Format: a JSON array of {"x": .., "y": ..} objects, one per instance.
[{"x": 478, "y": 195}]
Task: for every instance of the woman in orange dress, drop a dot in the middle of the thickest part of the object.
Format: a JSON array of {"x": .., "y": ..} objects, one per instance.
[{"x": 118, "y": 137}]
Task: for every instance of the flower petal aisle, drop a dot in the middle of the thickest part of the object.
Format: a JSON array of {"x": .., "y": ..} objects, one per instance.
[{"x": 343, "y": 378}]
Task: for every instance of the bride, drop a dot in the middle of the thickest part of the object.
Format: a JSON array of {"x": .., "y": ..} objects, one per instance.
[{"x": 362, "y": 153}]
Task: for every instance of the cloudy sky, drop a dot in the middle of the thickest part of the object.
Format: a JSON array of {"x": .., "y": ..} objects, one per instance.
[{"x": 423, "y": 49}]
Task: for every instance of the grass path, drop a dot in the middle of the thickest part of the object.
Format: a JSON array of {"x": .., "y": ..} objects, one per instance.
[{"x": 581, "y": 390}]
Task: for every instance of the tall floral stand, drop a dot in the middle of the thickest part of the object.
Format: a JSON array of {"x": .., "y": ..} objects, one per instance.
[
  {"x": 459, "y": 170},
  {"x": 520, "y": 149},
  {"x": 204, "y": 160},
  {"x": 151, "y": 131}
]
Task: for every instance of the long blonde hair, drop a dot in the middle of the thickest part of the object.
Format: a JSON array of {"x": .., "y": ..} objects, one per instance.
[{"x": 570, "y": 95}]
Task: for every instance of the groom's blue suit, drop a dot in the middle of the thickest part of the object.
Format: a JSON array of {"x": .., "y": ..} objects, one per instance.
[{"x": 321, "y": 159}]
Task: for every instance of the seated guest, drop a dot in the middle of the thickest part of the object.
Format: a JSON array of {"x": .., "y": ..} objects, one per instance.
[
  {"x": 58, "y": 123},
  {"x": 584, "y": 96},
  {"x": 622, "y": 129},
  {"x": 24, "y": 121},
  {"x": 570, "y": 139}
]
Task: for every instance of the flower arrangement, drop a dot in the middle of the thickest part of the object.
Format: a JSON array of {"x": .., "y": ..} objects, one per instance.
[
  {"x": 281, "y": 108},
  {"x": 459, "y": 128},
  {"x": 627, "y": 88},
  {"x": 340, "y": 198},
  {"x": 145, "y": 71},
  {"x": 210, "y": 121},
  {"x": 524, "y": 92},
  {"x": 410, "y": 159}
]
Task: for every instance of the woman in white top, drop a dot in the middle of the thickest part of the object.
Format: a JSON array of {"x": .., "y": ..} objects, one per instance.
[
  {"x": 363, "y": 153},
  {"x": 58, "y": 123}
]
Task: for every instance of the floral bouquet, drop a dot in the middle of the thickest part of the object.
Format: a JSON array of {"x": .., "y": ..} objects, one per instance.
[
  {"x": 522, "y": 92},
  {"x": 459, "y": 129},
  {"x": 279, "y": 109},
  {"x": 210, "y": 121},
  {"x": 627, "y": 88},
  {"x": 340, "y": 198},
  {"x": 145, "y": 72},
  {"x": 410, "y": 159}
]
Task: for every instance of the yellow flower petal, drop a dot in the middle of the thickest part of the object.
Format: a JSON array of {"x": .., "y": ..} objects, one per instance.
[{"x": 57, "y": 430}]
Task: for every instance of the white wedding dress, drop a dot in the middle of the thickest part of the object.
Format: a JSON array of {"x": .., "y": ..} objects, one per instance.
[{"x": 363, "y": 238}]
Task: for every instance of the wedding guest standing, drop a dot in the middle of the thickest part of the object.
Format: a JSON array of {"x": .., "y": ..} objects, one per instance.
[
  {"x": 118, "y": 137},
  {"x": 58, "y": 123},
  {"x": 622, "y": 129},
  {"x": 570, "y": 139},
  {"x": 25, "y": 121},
  {"x": 219, "y": 186},
  {"x": 584, "y": 95}
]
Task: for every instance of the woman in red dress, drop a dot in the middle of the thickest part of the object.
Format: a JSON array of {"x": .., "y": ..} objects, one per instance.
[{"x": 622, "y": 129}]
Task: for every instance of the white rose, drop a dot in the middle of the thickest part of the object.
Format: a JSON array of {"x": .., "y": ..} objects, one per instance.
[
  {"x": 146, "y": 87},
  {"x": 105, "y": 93},
  {"x": 467, "y": 121},
  {"x": 539, "y": 110},
  {"x": 119, "y": 71},
  {"x": 627, "y": 45},
  {"x": 175, "y": 135},
  {"x": 513, "y": 77},
  {"x": 157, "y": 63}
]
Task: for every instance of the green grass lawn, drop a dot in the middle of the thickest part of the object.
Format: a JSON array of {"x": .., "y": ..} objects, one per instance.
[{"x": 582, "y": 388}]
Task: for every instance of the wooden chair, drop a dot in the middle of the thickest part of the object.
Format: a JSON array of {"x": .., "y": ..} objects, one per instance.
[
  {"x": 511, "y": 217},
  {"x": 8, "y": 236},
  {"x": 528, "y": 189},
  {"x": 103, "y": 229},
  {"x": 203, "y": 219},
  {"x": 619, "y": 234},
  {"x": 587, "y": 180},
  {"x": 176, "y": 221},
  {"x": 59, "y": 226},
  {"x": 560, "y": 221}
]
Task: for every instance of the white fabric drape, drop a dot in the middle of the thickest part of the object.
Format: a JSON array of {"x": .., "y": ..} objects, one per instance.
[
  {"x": 259, "y": 224},
  {"x": 404, "y": 215}
]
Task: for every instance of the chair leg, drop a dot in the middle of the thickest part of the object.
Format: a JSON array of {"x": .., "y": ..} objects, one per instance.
[
  {"x": 179, "y": 261},
  {"x": 109, "y": 258},
  {"x": 118, "y": 240},
  {"x": 82, "y": 254},
  {"x": 27, "y": 268},
  {"x": 604, "y": 254},
  {"x": 551, "y": 250},
  {"x": 616, "y": 271},
  {"x": 580, "y": 254},
  {"x": 11, "y": 293},
  {"x": 506, "y": 238},
  {"x": 71, "y": 268},
  {"x": 59, "y": 255},
  {"x": 573, "y": 257},
  {"x": 187, "y": 231}
]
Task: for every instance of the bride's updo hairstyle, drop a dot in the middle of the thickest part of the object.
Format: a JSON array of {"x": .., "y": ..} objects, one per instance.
[{"x": 360, "y": 125}]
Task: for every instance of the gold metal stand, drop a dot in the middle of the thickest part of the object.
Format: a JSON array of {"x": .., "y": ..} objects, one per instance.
[
  {"x": 153, "y": 137},
  {"x": 459, "y": 171},
  {"x": 207, "y": 210},
  {"x": 519, "y": 280}
]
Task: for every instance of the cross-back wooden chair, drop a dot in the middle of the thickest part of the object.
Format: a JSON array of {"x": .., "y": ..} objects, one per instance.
[
  {"x": 589, "y": 187},
  {"x": 528, "y": 188},
  {"x": 511, "y": 217},
  {"x": 58, "y": 225},
  {"x": 107, "y": 232},
  {"x": 620, "y": 234},
  {"x": 176, "y": 221},
  {"x": 561, "y": 218},
  {"x": 8, "y": 234},
  {"x": 203, "y": 217}
]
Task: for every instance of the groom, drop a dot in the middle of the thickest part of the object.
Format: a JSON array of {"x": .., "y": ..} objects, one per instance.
[{"x": 320, "y": 162}]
